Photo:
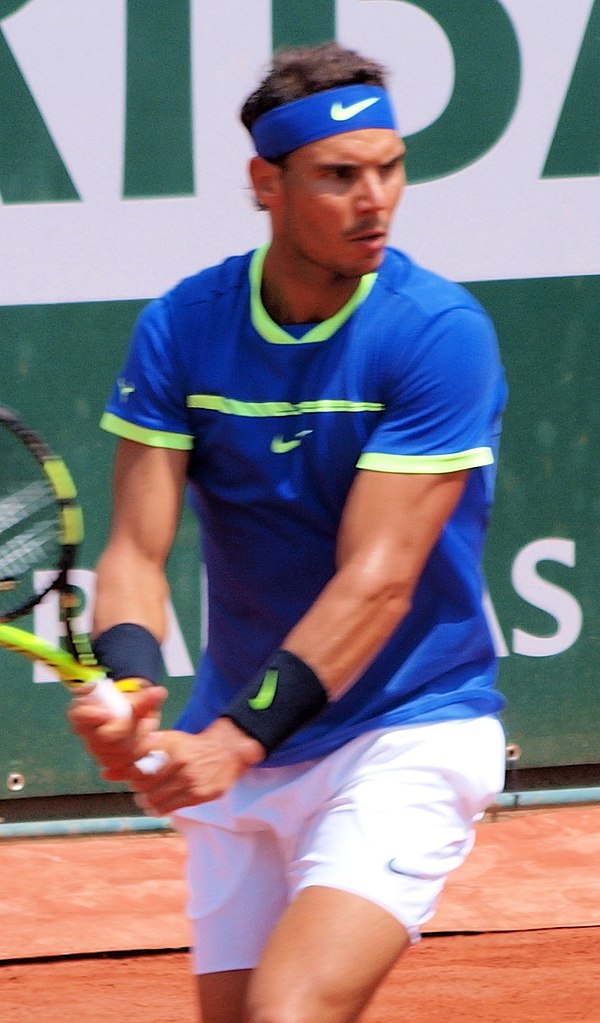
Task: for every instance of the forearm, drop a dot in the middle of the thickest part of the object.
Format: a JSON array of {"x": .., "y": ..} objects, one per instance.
[
  {"x": 130, "y": 590},
  {"x": 131, "y": 582},
  {"x": 389, "y": 527},
  {"x": 320, "y": 658},
  {"x": 347, "y": 626}
]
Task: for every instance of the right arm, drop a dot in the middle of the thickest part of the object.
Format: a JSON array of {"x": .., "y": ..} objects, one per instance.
[
  {"x": 148, "y": 487},
  {"x": 132, "y": 587}
]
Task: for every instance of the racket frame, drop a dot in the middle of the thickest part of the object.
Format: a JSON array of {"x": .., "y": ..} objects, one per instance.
[
  {"x": 78, "y": 670},
  {"x": 86, "y": 682}
]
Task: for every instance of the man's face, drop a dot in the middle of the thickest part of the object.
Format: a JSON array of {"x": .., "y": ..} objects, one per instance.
[{"x": 337, "y": 199}]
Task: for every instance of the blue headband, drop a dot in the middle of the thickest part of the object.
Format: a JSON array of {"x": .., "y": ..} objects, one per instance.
[{"x": 295, "y": 124}]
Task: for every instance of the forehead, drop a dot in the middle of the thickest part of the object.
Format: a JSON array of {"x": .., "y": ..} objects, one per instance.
[{"x": 368, "y": 145}]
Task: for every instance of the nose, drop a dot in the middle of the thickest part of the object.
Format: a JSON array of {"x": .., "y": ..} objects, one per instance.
[{"x": 371, "y": 191}]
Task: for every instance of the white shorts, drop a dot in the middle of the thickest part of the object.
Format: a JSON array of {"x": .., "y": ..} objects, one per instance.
[{"x": 386, "y": 817}]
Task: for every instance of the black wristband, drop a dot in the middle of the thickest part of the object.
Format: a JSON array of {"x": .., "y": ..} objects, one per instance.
[
  {"x": 128, "y": 650},
  {"x": 285, "y": 695}
]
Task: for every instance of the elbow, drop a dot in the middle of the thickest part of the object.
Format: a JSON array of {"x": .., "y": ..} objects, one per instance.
[
  {"x": 386, "y": 592},
  {"x": 395, "y": 600}
]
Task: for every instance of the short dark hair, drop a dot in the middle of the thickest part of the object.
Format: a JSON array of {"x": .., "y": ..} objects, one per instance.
[{"x": 302, "y": 71}]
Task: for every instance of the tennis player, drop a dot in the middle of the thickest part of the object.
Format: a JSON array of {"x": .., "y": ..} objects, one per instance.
[{"x": 334, "y": 411}]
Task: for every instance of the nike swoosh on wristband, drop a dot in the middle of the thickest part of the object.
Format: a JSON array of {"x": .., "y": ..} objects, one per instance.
[
  {"x": 341, "y": 113},
  {"x": 266, "y": 694}
]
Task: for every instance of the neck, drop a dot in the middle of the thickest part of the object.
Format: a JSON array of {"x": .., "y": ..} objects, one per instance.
[{"x": 296, "y": 291}]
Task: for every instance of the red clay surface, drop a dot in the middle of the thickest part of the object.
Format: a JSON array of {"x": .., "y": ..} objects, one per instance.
[
  {"x": 521, "y": 977},
  {"x": 92, "y": 929}
]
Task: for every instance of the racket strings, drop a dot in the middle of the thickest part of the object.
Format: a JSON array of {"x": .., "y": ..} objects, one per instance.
[
  {"x": 26, "y": 550},
  {"x": 28, "y": 501},
  {"x": 31, "y": 526},
  {"x": 25, "y": 538},
  {"x": 41, "y": 524}
]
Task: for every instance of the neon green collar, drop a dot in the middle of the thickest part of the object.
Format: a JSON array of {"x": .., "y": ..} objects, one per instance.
[{"x": 272, "y": 332}]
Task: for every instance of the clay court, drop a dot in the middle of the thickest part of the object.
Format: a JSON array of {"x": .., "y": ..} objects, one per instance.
[{"x": 93, "y": 929}]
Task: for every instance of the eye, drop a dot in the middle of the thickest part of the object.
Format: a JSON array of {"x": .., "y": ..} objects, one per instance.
[
  {"x": 388, "y": 169},
  {"x": 342, "y": 172}
]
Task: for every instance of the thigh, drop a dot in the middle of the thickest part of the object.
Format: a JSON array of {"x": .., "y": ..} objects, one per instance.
[
  {"x": 370, "y": 864},
  {"x": 402, "y": 818},
  {"x": 325, "y": 958},
  {"x": 237, "y": 890}
]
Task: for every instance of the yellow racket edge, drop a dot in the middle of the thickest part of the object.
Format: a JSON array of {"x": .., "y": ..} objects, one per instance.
[{"x": 68, "y": 669}]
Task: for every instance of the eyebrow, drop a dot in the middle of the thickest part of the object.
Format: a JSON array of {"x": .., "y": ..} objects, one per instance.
[{"x": 333, "y": 164}]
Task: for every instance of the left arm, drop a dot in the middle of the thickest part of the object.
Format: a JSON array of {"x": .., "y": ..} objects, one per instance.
[{"x": 390, "y": 524}]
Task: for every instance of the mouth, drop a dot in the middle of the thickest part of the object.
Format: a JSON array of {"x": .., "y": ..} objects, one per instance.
[
  {"x": 369, "y": 236},
  {"x": 371, "y": 241}
]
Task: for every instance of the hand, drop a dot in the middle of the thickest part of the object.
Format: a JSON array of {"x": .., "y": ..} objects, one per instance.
[
  {"x": 199, "y": 768},
  {"x": 116, "y": 743}
]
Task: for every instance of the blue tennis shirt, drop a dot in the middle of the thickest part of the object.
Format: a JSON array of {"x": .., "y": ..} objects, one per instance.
[{"x": 405, "y": 378}]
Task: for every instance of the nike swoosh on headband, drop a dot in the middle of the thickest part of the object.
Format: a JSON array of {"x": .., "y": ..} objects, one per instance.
[
  {"x": 320, "y": 115},
  {"x": 341, "y": 113}
]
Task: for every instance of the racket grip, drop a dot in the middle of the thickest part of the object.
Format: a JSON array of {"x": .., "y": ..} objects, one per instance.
[{"x": 104, "y": 693}]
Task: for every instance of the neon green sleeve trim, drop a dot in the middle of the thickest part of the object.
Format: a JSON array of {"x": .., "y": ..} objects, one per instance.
[
  {"x": 153, "y": 438},
  {"x": 426, "y": 463}
]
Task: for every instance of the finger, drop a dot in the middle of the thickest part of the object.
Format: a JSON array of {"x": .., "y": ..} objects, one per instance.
[
  {"x": 155, "y": 807},
  {"x": 161, "y": 806},
  {"x": 148, "y": 702},
  {"x": 86, "y": 715}
]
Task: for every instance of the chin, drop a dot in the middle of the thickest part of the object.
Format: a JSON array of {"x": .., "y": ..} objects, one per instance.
[{"x": 370, "y": 265}]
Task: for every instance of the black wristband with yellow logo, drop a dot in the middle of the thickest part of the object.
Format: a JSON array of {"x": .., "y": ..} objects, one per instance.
[{"x": 285, "y": 695}]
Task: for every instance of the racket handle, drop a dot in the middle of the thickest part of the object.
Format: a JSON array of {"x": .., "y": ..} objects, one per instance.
[{"x": 104, "y": 693}]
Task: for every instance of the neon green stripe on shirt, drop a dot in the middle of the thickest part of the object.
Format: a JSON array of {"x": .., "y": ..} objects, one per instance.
[
  {"x": 262, "y": 409},
  {"x": 471, "y": 459}
]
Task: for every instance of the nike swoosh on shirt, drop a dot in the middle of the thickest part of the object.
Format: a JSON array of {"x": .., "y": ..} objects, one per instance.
[
  {"x": 279, "y": 446},
  {"x": 266, "y": 694},
  {"x": 125, "y": 389},
  {"x": 341, "y": 113}
]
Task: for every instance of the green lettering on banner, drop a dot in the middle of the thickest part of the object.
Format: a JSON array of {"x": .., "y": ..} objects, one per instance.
[
  {"x": 575, "y": 151},
  {"x": 487, "y": 76},
  {"x": 486, "y": 88},
  {"x": 8, "y": 7},
  {"x": 302, "y": 24},
  {"x": 158, "y": 141},
  {"x": 31, "y": 169}
]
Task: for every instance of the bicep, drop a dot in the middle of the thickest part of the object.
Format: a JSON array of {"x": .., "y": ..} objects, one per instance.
[
  {"x": 147, "y": 493},
  {"x": 148, "y": 485},
  {"x": 391, "y": 521}
]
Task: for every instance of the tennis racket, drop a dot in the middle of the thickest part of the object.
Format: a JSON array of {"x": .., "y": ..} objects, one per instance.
[{"x": 41, "y": 527}]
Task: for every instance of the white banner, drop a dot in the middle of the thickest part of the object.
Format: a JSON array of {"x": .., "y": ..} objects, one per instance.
[{"x": 496, "y": 218}]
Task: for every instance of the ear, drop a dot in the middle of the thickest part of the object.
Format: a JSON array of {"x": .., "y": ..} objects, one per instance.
[{"x": 265, "y": 178}]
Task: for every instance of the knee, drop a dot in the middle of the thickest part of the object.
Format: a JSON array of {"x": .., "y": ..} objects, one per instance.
[
  {"x": 277, "y": 1006},
  {"x": 273, "y": 1011}
]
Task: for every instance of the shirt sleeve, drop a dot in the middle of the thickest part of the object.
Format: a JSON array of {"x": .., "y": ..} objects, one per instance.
[
  {"x": 444, "y": 405},
  {"x": 147, "y": 403}
]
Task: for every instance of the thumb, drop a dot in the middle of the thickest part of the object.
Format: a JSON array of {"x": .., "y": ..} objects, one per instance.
[{"x": 148, "y": 702}]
